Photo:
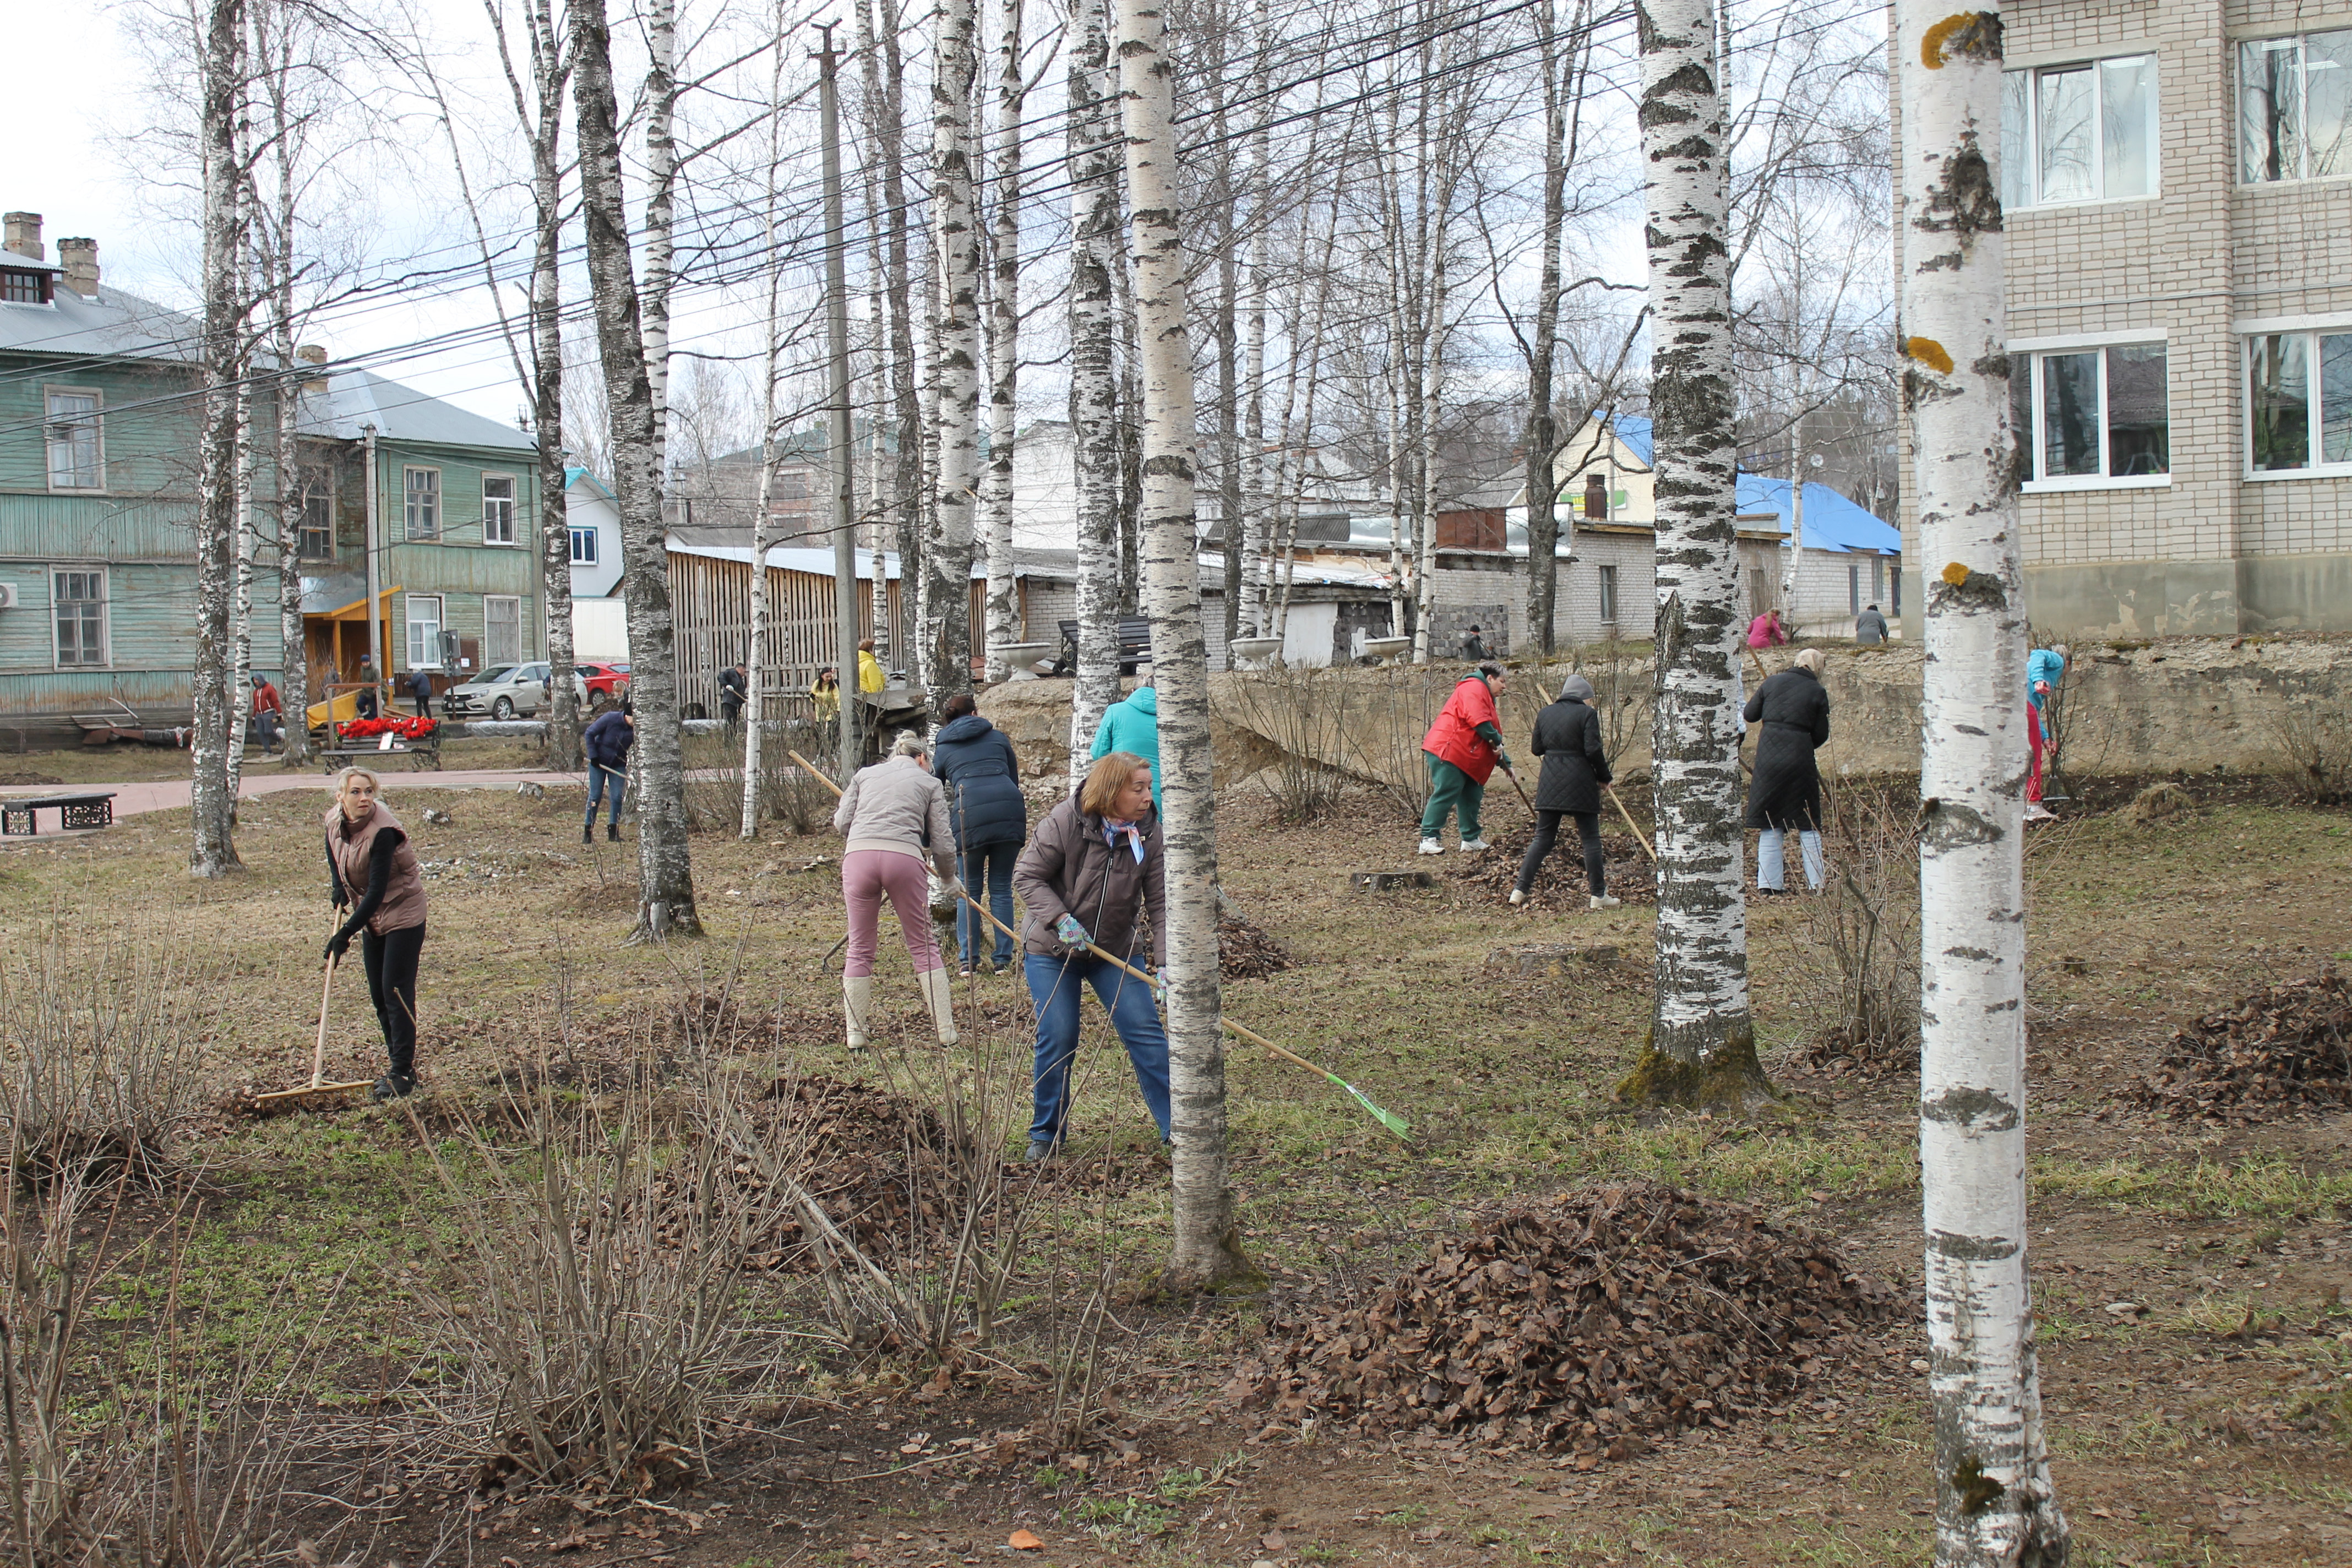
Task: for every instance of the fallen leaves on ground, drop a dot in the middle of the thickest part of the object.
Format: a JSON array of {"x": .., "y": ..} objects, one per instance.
[
  {"x": 1560, "y": 884},
  {"x": 1245, "y": 951},
  {"x": 2284, "y": 1048}
]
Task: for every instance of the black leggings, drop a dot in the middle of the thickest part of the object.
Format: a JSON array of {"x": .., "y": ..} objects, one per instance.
[
  {"x": 390, "y": 961},
  {"x": 1588, "y": 827}
]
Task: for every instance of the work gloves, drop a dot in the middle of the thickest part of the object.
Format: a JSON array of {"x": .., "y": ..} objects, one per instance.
[
  {"x": 337, "y": 945},
  {"x": 1159, "y": 986},
  {"x": 1072, "y": 934},
  {"x": 1502, "y": 760}
]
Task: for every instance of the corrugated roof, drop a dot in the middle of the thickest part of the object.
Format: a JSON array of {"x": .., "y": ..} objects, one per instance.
[
  {"x": 115, "y": 325},
  {"x": 355, "y": 398},
  {"x": 799, "y": 558},
  {"x": 1832, "y": 521},
  {"x": 1635, "y": 431}
]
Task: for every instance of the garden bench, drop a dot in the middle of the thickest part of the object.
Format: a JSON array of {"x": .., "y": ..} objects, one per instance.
[{"x": 17, "y": 819}]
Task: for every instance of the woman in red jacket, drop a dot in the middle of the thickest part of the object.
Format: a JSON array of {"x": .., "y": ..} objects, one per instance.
[{"x": 1462, "y": 749}]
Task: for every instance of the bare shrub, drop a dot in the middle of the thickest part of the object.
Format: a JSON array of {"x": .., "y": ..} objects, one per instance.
[
  {"x": 1623, "y": 691},
  {"x": 714, "y": 778},
  {"x": 1300, "y": 710},
  {"x": 2312, "y": 742},
  {"x": 98, "y": 1069},
  {"x": 1382, "y": 722},
  {"x": 1861, "y": 980}
]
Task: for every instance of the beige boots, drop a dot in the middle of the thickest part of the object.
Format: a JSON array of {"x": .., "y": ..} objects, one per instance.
[
  {"x": 941, "y": 996},
  {"x": 858, "y": 1005}
]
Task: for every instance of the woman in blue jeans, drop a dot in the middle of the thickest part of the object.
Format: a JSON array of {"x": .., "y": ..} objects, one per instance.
[
  {"x": 973, "y": 759},
  {"x": 1095, "y": 875}
]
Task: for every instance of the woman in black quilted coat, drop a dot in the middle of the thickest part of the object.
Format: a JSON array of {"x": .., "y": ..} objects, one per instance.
[
  {"x": 1575, "y": 766},
  {"x": 1785, "y": 793}
]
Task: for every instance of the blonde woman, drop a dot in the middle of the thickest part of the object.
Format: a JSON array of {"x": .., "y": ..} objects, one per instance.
[
  {"x": 371, "y": 871},
  {"x": 895, "y": 815}
]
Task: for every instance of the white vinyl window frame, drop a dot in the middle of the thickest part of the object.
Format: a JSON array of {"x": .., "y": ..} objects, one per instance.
[
  {"x": 2030, "y": 354},
  {"x": 500, "y": 513},
  {"x": 584, "y": 544},
  {"x": 70, "y": 583},
  {"x": 492, "y": 603},
  {"x": 2335, "y": 42},
  {"x": 420, "y": 502},
  {"x": 425, "y": 614},
  {"x": 73, "y": 439},
  {"x": 2022, "y": 101},
  {"x": 2313, "y": 332}
]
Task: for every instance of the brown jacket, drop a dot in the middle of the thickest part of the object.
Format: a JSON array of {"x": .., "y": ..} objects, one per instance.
[
  {"x": 350, "y": 847},
  {"x": 1069, "y": 870}
]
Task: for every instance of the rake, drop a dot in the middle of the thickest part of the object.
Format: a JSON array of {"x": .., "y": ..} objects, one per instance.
[
  {"x": 1388, "y": 1119},
  {"x": 318, "y": 1084}
]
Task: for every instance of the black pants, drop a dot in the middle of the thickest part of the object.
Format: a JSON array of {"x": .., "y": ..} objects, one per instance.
[
  {"x": 1588, "y": 828},
  {"x": 424, "y": 705},
  {"x": 390, "y": 961}
]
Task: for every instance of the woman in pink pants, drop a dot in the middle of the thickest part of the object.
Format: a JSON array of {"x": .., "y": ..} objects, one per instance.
[{"x": 895, "y": 815}]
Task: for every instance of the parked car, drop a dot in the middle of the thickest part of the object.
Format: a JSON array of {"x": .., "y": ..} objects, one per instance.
[
  {"x": 506, "y": 691},
  {"x": 604, "y": 680}
]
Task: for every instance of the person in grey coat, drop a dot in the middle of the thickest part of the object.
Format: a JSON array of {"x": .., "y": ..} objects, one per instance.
[
  {"x": 1792, "y": 712},
  {"x": 1870, "y": 627},
  {"x": 1575, "y": 767}
]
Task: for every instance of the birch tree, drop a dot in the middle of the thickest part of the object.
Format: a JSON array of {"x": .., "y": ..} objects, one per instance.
[
  {"x": 1093, "y": 161},
  {"x": 664, "y": 871},
  {"x": 1003, "y": 610},
  {"x": 1702, "y": 1044},
  {"x": 755, "y": 656},
  {"x": 661, "y": 214},
  {"x": 1994, "y": 1500},
  {"x": 883, "y": 76},
  {"x": 221, "y": 85},
  {"x": 955, "y": 252},
  {"x": 275, "y": 30},
  {"x": 1206, "y": 1251}
]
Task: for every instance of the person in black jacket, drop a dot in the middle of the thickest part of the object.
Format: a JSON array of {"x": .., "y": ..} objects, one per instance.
[
  {"x": 1575, "y": 766},
  {"x": 1785, "y": 792},
  {"x": 734, "y": 690},
  {"x": 607, "y": 742},
  {"x": 974, "y": 760}
]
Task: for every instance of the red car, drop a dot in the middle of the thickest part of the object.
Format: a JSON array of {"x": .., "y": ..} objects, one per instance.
[{"x": 604, "y": 680}]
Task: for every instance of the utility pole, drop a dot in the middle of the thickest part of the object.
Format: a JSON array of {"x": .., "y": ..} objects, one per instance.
[
  {"x": 374, "y": 543},
  {"x": 844, "y": 496}
]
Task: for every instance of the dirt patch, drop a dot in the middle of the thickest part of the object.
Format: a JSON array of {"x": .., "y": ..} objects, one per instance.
[
  {"x": 2284, "y": 1049},
  {"x": 1560, "y": 885},
  {"x": 1593, "y": 1323},
  {"x": 26, "y": 778}
]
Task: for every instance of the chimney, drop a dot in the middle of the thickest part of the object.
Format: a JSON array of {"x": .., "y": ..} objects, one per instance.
[
  {"x": 24, "y": 234},
  {"x": 311, "y": 353},
  {"x": 79, "y": 258}
]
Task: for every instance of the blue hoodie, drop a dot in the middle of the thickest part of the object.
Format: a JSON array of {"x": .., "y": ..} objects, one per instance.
[
  {"x": 1133, "y": 726},
  {"x": 2042, "y": 664}
]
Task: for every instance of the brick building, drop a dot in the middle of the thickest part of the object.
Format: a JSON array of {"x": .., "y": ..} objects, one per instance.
[{"x": 2178, "y": 184}]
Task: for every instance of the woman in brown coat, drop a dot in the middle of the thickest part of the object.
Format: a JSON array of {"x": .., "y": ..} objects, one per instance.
[{"x": 371, "y": 871}]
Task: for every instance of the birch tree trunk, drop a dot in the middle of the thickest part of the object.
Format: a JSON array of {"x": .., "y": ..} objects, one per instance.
[
  {"x": 1994, "y": 1500},
  {"x": 240, "y": 685},
  {"x": 542, "y": 116},
  {"x": 1128, "y": 424},
  {"x": 664, "y": 871},
  {"x": 755, "y": 656},
  {"x": 1004, "y": 344},
  {"x": 1093, "y": 158},
  {"x": 220, "y": 67},
  {"x": 1702, "y": 1044},
  {"x": 955, "y": 252},
  {"x": 1543, "y": 433},
  {"x": 276, "y": 253},
  {"x": 1206, "y": 1250},
  {"x": 885, "y": 82},
  {"x": 661, "y": 208},
  {"x": 1255, "y": 532}
]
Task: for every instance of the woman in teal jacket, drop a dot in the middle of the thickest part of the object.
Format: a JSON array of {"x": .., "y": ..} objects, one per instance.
[{"x": 1132, "y": 726}]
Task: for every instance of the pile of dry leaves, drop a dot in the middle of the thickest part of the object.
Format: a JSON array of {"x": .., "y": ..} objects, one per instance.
[
  {"x": 1560, "y": 884},
  {"x": 1245, "y": 951},
  {"x": 2285, "y": 1048},
  {"x": 1589, "y": 1325}
]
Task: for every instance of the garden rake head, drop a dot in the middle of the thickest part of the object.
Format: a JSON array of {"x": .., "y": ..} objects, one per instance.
[{"x": 285, "y": 1099}]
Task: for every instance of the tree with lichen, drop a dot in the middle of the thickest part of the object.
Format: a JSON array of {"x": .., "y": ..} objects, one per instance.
[
  {"x": 1994, "y": 1501},
  {"x": 1702, "y": 1046}
]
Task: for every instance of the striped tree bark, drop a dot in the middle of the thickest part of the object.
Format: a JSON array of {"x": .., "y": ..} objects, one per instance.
[
  {"x": 1994, "y": 1500},
  {"x": 1702, "y": 1044},
  {"x": 955, "y": 252},
  {"x": 1003, "y": 608},
  {"x": 220, "y": 82},
  {"x": 1206, "y": 1250},
  {"x": 1092, "y": 154}
]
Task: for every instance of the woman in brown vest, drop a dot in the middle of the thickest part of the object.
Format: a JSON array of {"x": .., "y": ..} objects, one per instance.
[{"x": 372, "y": 872}]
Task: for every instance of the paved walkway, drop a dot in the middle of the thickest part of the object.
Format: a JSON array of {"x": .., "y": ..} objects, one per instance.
[{"x": 133, "y": 799}]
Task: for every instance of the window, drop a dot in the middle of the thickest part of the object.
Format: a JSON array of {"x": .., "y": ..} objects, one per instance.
[
  {"x": 23, "y": 287},
  {"x": 2093, "y": 415},
  {"x": 78, "y": 595},
  {"x": 423, "y": 631},
  {"x": 497, "y": 508},
  {"x": 2290, "y": 378},
  {"x": 1878, "y": 578},
  {"x": 1853, "y": 587},
  {"x": 421, "y": 507},
  {"x": 502, "y": 630},
  {"x": 583, "y": 546},
  {"x": 1609, "y": 596},
  {"x": 76, "y": 463},
  {"x": 2294, "y": 107},
  {"x": 316, "y": 539},
  {"x": 2079, "y": 133}
]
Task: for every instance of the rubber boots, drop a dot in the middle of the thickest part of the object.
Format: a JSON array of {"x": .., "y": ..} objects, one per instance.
[
  {"x": 941, "y": 994},
  {"x": 856, "y": 1002}
]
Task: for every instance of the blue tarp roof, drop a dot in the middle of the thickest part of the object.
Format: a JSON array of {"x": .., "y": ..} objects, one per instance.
[{"x": 1832, "y": 521}]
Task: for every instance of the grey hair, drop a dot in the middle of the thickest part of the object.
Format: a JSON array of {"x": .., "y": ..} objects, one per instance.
[{"x": 910, "y": 745}]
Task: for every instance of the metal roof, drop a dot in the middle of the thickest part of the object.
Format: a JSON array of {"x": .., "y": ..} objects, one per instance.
[
  {"x": 115, "y": 325},
  {"x": 355, "y": 398}
]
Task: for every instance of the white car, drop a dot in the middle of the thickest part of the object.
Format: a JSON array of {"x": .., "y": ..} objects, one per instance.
[{"x": 506, "y": 691}]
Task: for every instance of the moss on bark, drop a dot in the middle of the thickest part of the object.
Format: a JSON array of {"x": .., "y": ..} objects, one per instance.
[
  {"x": 1231, "y": 1273},
  {"x": 1729, "y": 1081}
]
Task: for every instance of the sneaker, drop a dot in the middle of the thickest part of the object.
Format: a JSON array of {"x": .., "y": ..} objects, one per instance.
[
  {"x": 1040, "y": 1150},
  {"x": 1519, "y": 895},
  {"x": 1473, "y": 846},
  {"x": 1603, "y": 901},
  {"x": 1432, "y": 846},
  {"x": 393, "y": 1086},
  {"x": 2037, "y": 812},
  {"x": 999, "y": 965}
]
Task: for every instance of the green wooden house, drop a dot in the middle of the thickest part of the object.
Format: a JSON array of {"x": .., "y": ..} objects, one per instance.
[{"x": 99, "y": 413}]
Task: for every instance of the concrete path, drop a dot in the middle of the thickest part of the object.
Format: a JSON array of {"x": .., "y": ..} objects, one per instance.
[{"x": 132, "y": 799}]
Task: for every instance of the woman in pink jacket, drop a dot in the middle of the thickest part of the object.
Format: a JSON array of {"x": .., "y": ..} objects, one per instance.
[
  {"x": 1462, "y": 751},
  {"x": 895, "y": 815}
]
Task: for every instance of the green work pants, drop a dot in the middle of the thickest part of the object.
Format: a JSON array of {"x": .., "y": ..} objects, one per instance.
[{"x": 1450, "y": 790}]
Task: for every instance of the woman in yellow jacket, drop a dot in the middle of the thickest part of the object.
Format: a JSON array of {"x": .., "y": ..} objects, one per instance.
[
  {"x": 869, "y": 669},
  {"x": 826, "y": 692}
]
